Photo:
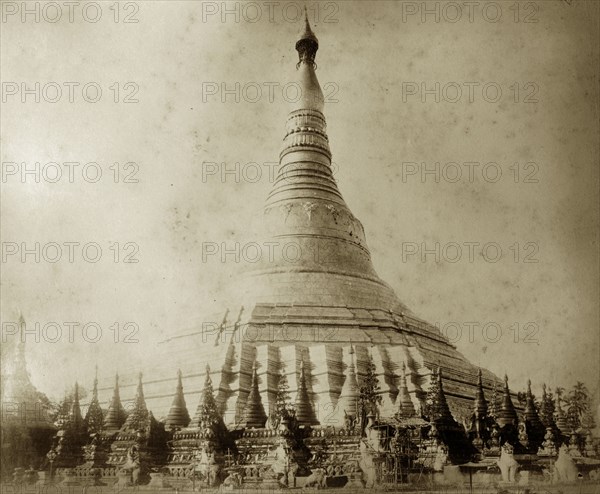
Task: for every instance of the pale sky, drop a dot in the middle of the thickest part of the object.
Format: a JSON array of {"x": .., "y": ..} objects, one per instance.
[{"x": 372, "y": 64}]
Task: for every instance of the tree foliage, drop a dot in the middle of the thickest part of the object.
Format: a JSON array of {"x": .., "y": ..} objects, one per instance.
[
  {"x": 579, "y": 406},
  {"x": 547, "y": 409},
  {"x": 284, "y": 409},
  {"x": 369, "y": 398}
]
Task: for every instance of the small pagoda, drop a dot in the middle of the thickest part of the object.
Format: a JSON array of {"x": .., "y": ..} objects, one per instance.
[
  {"x": 178, "y": 417},
  {"x": 140, "y": 445},
  {"x": 335, "y": 443},
  {"x": 27, "y": 425},
  {"x": 447, "y": 438},
  {"x": 507, "y": 419},
  {"x": 480, "y": 426},
  {"x": 97, "y": 447},
  {"x": 67, "y": 447},
  {"x": 534, "y": 428},
  {"x": 199, "y": 446}
]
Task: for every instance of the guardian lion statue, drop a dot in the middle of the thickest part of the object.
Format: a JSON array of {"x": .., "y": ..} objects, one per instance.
[
  {"x": 316, "y": 479},
  {"x": 565, "y": 469},
  {"x": 507, "y": 463}
]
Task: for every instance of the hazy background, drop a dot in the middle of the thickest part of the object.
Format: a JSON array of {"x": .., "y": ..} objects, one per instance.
[{"x": 365, "y": 56}]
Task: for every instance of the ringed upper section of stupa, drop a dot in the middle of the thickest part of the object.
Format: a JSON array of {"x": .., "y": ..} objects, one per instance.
[{"x": 320, "y": 254}]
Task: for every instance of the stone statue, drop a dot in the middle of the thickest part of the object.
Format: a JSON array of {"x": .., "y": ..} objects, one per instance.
[
  {"x": 373, "y": 436},
  {"x": 523, "y": 436},
  {"x": 565, "y": 469},
  {"x": 316, "y": 479},
  {"x": 507, "y": 463},
  {"x": 441, "y": 458},
  {"x": 208, "y": 465},
  {"x": 349, "y": 421},
  {"x": 272, "y": 422},
  {"x": 282, "y": 463},
  {"x": 367, "y": 464},
  {"x": 548, "y": 447},
  {"x": 232, "y": 481},
  {"x": 574, "y": 450},
  {"x": 132, "y": 464}
]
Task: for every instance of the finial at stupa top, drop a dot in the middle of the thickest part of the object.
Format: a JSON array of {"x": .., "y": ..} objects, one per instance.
[{"x": 308, "y": 44}]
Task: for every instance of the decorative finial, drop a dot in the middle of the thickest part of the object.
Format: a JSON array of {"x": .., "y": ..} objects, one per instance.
[{"x": 308, "y": 44}]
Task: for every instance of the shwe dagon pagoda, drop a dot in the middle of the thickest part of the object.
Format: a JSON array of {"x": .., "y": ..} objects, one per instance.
[{"x": 317, "y": 375}]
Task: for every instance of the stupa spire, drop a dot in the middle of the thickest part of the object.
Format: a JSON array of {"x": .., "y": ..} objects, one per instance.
[
  {"x": 75, "y": 413},
  {"x": 507, "y": 415},
  {"x": 94, "y": 415},
  {"x": 534, "y": 426},
  {"x": 178, "y": 416},
  {"x": 207, "y": 417},
  {"x": 481, "y": 405},
  {"x": 16, "y": 382},
  {"x": 442, "y": 410},
  {"x": 405, "y": 405},
  {"x": 305, "y": 207},
  {"x": 305, "y": 414},
  {"x": 115, "y": 417},
  {"x": 139, "y": 414},
  {"x": 254, "y": 412},
  {"x": 348, "y": 400},
  {"x": 530, "y": 412}
]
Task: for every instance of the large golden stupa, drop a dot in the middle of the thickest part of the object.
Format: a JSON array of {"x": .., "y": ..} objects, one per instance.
[{"x": 312, "y": 300}]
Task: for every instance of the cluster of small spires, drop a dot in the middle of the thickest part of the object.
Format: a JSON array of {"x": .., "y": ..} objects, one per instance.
[{"x": 254, "y": 415}]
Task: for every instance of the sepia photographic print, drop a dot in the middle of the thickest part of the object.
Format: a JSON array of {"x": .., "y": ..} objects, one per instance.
[{"x": 269, "y": 246}]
